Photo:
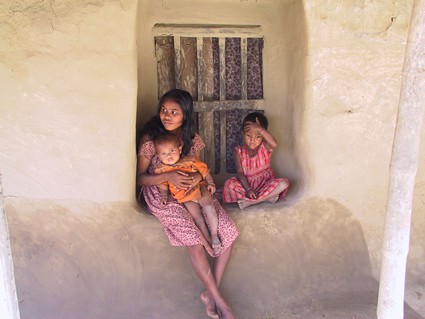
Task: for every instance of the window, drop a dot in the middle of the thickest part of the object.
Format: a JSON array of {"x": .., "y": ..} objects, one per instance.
[{"x": 221, "y": 66}]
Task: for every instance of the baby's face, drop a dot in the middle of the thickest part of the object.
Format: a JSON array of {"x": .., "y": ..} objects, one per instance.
[{"x": 168, "y": 152}]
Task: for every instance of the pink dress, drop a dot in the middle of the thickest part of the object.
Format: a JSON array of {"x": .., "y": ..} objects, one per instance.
[
  {"x": 259, "y": 174},
  {"x": 177, "y": 222}
]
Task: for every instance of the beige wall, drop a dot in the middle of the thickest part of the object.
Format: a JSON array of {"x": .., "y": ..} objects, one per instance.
[
  {"x": 356, "y": 53},
  {"x": 332, "y": 78},
  {"x": 68, "y": 102}
]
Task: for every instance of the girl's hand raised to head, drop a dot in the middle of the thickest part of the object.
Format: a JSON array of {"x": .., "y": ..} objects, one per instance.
[{"x": 251, "y": 126}]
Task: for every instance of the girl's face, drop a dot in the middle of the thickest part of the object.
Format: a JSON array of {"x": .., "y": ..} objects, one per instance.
[
  {"x": 252, "y": 139},
  {"x": 171, "y": 115}
]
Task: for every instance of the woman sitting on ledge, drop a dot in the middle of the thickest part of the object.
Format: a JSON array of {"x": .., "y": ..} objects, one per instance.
[{"x": 176, "y": 115}]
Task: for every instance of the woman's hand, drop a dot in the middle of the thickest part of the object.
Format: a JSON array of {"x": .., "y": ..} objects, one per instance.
[
  {"x": 196, "y": 178},
  {"x": 180, "y": 179}
]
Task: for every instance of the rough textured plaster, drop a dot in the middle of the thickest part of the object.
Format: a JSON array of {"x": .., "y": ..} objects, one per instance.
[
  {"x": 68, "y": 77},
  {"x": 111, "y": 261},
  {"x": 69, "y": 95},
  {"x": 357, "y": 51}
]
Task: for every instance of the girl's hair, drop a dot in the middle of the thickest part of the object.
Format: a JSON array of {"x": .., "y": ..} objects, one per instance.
[
  {"x": 251, "y": 117},
  {"x": 154, "y": 126}
]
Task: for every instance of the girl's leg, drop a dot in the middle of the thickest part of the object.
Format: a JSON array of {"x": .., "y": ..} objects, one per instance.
[
  {"x": 202, "y": 268},
  {"x": 195, "y": 210},
  {"x": 207, "y": 203},
  {"x": 272, "y": 196}
]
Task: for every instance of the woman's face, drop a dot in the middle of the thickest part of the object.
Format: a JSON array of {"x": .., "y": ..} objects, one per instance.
[{"x": 171, "y": 115}]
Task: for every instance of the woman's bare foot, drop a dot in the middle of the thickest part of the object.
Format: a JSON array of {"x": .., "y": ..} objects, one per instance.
[
  {"x": 210, "y": 305},
  {"x": 225, "y": 312},
  {"x": 216, "y": 245}
]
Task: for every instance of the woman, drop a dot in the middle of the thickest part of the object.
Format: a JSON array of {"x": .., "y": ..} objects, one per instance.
[{"x": 175, "y": 115}]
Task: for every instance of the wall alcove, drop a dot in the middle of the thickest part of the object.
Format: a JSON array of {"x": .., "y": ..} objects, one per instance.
[{"x": 173, "y": 38}]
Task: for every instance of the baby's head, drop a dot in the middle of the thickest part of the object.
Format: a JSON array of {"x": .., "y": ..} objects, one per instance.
[{"x": 168, "y": 148}]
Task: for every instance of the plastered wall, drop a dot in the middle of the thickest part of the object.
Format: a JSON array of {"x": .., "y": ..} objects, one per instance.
[
  {"x": 68, "y": 102},
  {"x": 74, "y": 84},
  {"x": 356, "y": 53}
]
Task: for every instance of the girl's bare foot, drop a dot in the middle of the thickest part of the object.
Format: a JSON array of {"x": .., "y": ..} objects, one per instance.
[
  {"x": 273, "y": 199},
  {"x": 243, "y": 203},
  {"x": 216, "y": 245},
  {"x": 210, "y": 305}
]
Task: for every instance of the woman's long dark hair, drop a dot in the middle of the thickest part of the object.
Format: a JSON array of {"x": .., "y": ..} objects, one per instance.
[{"x": 154, "y": 126}]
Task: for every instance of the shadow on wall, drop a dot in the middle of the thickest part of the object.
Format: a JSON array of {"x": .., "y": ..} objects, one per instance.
[
  {"x": 292, "y": 114},
  {"x": 86, "y": 260}
]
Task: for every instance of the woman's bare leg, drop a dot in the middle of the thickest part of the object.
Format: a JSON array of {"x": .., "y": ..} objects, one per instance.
[
  {"x": 202, "y": 268},
  {"x": 275, "y": 193},
  {"x": 219, "y": 266}
]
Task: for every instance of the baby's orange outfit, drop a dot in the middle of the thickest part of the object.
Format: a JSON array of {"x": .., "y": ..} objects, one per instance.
[{"x": 187, "y": 164}]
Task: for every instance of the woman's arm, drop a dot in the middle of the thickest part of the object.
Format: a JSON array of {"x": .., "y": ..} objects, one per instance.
[
  {"x": 180, "y": 179},
  {"x": 197, "y": 177},
  {"x": 197, "y": 155},
  {"x": 143, "y": 177}
]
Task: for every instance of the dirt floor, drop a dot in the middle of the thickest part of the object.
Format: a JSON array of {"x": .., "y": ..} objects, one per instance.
[{"x": 85, "y": 260}]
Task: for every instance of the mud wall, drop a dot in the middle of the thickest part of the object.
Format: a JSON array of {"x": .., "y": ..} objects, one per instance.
[
  {"x": 331, "y": 76},
  {"x": 356, "y": 53},
  {"x": 68, "y": 102}
]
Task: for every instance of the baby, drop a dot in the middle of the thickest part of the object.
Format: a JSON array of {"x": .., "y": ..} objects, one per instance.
[{"x": 197, "y": 198}]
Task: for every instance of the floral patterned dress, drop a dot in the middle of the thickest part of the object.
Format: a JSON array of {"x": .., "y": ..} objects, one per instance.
[
  {"x": 259, "y": 174},
  {"x": 177, "y": 222}
]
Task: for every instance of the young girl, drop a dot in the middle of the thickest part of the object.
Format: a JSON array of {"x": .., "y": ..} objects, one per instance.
[
  {"x": 197, "y": 198},
  {"x": 255, "y": 181}
]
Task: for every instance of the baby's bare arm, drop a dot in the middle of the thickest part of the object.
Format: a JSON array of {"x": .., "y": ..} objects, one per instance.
[
  {"x": 164, "y": 195},
  {"x": 210, "y": 181}
]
